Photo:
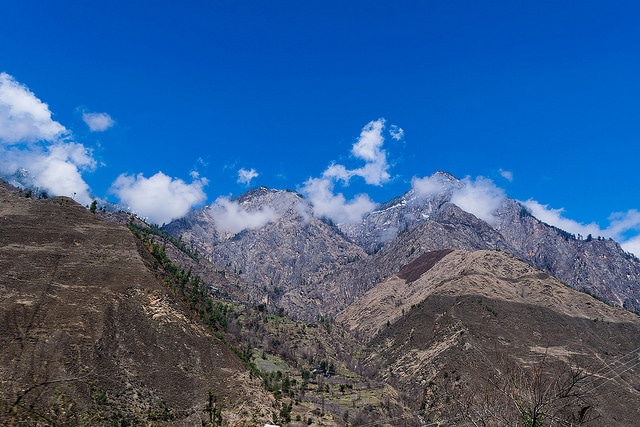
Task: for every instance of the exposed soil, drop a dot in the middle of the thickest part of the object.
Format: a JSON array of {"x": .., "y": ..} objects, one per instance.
[
  {"x": 475, "y": 319},
  {"x": 90, "y": 336}
]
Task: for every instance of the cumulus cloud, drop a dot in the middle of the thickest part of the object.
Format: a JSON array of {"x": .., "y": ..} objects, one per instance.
[
  {"x": 98, "y": 122},
  {"x": 23, "y": 117},
  {"x": 430, "y": 185},
  {"x": 230, "y": 217},
  {"x": 326, "y": 204},
  {"x": 375, "y": 171},
  {"x": 35, "y": 149},
  {"x": 508, "y": 175},
  {"x": 55, "y": 169},
  {"x": 246, "y": 176},
  {"x": 368, "y": 147},
  {"x": 160, "y": 198},
  {"x": 481, "y": 197}
]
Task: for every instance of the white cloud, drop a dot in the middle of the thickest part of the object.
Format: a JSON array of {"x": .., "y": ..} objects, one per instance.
[
  {"x": 230, "y": 217},
  {"x": 335, "y": 206},
  {"x": 245, "y": 176},
  {"x": 396, "y": 132},
  {"x": 98, "y": 122},
  {"x": 555, "y": 217},
  {"x": 621, "y": 223},
  {"x": 480, "y": 197},
  {"x": 369, "y": 148},
  {"x": 430, "y": 185},
  {"x": 55, "y": 169},
  {"x": 508, "y": 175},
  {"x": 375, "y": 171},
  {"x": 37, "y": 148},
  {"x": 160, "y": 197},
  {"x": 23, "y": 117},
  {"x": 338, "y": 172}
]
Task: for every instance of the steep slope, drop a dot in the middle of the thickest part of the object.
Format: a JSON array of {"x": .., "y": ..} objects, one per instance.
[
  {"x": 401, "y": 213},
  {"x": 293, "y": 251},
  {"x": 468, "y": 334},
  {"x": 599, "y": 266},
  {"x": 90, "y": 336},
  {"x": 595, "y": 265},
  {"x": 449, "y": 227}
]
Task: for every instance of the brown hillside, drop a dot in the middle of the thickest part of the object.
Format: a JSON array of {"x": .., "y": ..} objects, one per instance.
[
  {"x": 481, "y": 330},
  {"x": 89, "y": 336}
]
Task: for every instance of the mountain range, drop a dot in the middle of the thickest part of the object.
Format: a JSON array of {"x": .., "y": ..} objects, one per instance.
[
  {"x": 420, "y": 314},
  {"x": 319, "y": 267}
]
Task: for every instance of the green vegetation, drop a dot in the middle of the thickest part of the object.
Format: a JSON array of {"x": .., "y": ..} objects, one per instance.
[
  {"x": 143, "y": 232},
  {"x": 188, "y": 286}
]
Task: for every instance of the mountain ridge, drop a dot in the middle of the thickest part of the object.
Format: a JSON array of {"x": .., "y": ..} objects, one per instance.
[
  {"x": 422, "y": 219},
  {"x": 450, "y": 334},
  {"x": 110, "y": 325},
  {"x": 91, "y": 334}
]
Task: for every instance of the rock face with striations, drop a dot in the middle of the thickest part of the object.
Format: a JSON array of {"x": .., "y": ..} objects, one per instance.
[
  {"x": 290, "y": 252},
  {"x": 309, "y": 267},
  {"x": 598, "y": 266}
]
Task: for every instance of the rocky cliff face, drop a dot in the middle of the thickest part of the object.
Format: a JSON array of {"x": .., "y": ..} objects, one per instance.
[
  {"x": 400, "y": 214},
  {"x": 291, "y": 252},
  {"x": 310, "y": 267},
  {"x": 598, "y": 266}
]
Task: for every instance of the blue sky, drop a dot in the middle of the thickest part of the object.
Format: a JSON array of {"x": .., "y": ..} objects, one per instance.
[{"x": 541, "y": 98}]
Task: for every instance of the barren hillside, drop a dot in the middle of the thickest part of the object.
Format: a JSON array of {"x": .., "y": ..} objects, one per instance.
[
  {"x": 459, "y": 325},
  {"x": 90, "y": 336}
]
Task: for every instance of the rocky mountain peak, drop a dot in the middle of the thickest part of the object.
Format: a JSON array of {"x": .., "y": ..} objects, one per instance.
[
  {"x": 299, "y": 260},
  {"x": 285, "y": 203},
  {"x": 291, "y": 250},
  {"x": 425, "y": 197}
]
